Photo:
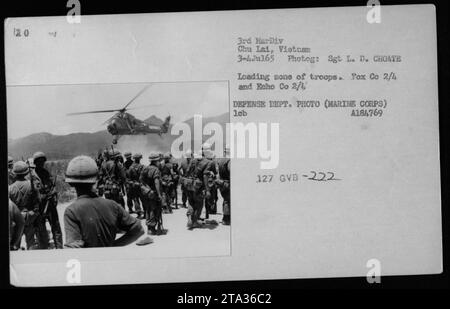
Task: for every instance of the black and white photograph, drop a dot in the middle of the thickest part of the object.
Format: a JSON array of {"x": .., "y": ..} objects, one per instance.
[
  {"x": 130, "y": 135},
  {"x": 84, "y": 178}
]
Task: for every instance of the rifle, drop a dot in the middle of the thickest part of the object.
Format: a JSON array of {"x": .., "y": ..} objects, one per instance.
[
  {"x": 33, "y": 192},
  {"x": 49, "y": 196}
]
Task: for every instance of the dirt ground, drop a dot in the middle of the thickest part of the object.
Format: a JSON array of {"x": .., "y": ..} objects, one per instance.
[{"x": 213, "y": 239}]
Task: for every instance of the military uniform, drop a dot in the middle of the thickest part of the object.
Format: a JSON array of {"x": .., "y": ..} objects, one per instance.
[
  {"x": 210, "y": 187},
  {"x": 224, "y": 186},
  {"x": 167, "y": 183},
  {"x": 150, "y": 198},
  {"x": 183, "y": 171},
  {"x": 16, "y": 226},
  {"x": 134, "y": 187},
  {"x": 112, "y": 176},
  {"x": 212, "y": 196},
  {"x": 127, "y": 163},
  {"x": 92, "y": 221},
  {"x": 198, "y": 169},
  {"x": 11, "y": 176},
  {"x": 48, "y": 204},
  {"x": 27, "y": 199},
  {"x": 176, "y": 180}
]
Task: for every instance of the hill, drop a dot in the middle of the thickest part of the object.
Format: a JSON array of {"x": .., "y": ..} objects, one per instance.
[{"x": 62, "y": 147}]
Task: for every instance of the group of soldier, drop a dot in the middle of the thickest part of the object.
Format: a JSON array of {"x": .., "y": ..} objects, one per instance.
[
  {"x": 99, "y": 212},
  {"x": 32, "y": 202}
]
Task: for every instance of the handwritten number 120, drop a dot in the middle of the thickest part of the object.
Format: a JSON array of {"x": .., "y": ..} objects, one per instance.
[{"x": 18, "y": 32}]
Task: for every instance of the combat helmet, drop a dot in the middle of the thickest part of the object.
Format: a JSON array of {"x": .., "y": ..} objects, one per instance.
[
  {"x": 137, "y": 156},
  {"x": 206, "y": 146},
  {"x": 154, "y": 157},
  {"x": 114, "y": 154},
  {"x": 198, "y": 155},
  {"x": 20, "y": 168},
  {"x": 127, "y": 155},
  {"x": 39, "y": 155},
  {"x": 188, "y": 154},
  {"x": 81, "y": 169},
  {"x": 10, "y": 160}
]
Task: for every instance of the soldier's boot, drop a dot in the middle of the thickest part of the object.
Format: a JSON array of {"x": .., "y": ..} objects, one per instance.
[
  {"x": 138, "y": 208},
  {"x": 42, "y": 235},
  {"x": 55, "y": 228},
  {"x": 206, "y": 211},
  {"x": 57, "y": 235},
  {"x": 196, "y": 225},
  {"x": 151, "y": 230},
  {"x": 226, "y": 220}
]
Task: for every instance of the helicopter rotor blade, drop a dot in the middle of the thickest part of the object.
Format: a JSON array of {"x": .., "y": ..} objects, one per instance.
[
  {"x": 135, "y": 97},
  {"x": 143, "y": 107},
  {"x": 94, "y": 112}
]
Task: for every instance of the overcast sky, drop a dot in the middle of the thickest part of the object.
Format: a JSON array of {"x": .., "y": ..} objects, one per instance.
[{"x": 34, "y": 109}]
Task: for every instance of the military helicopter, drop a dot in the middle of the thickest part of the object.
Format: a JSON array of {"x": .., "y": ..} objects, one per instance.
[{"x": 123, "y": 123}]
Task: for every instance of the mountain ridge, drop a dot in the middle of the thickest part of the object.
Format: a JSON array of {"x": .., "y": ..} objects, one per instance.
[{"x": 67, "y": 146}]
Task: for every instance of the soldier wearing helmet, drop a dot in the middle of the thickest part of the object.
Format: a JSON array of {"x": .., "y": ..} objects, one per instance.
[
  {"x": 26, "y": 196},
  {"x": 11, "y": 176},
  {"x": 128, "y": 160},
  {"x": 128, "y": 185},
  {"x": 134, "y": 186},
  {"x": 118, "y": 156},
  {"x": 167, "y": 182},
  {"x": 92, "y": 221},
  {"x": 151, "y": 194},
  {"x": 176, "y": 180},
  {"x": 183, "y": 172},
  {"x": 199, "y": 171},
  {"x": 112, "y": 178},
  {"x": 224, "y": 168},
  {"x": 49, "y": 196},
  {"x": 211, "y": 194}
]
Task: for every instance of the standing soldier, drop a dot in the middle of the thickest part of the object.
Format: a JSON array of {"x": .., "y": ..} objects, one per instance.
[
  {"x": 183, "y": 172},
  {"x": 126, "y": 166},
  {"x": 49, "y": 197},
  {"x": 119, "y": 157},
  {"x": 210, "y": 173},
  {"x": 176, "y": 180},
  {"x": 11, "y": 176},
  {"x": 113, "y": 178},
  {"x": 151, "y": 191},
  {"x": 224, "y": 184},
  {"x": 134, "y": 186},
  {"x": 167, "y": 182},
  {"x": 199, "y": 170},
  {"x": 25, "y": 195},
  {"x": 92, "y": 221}
]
